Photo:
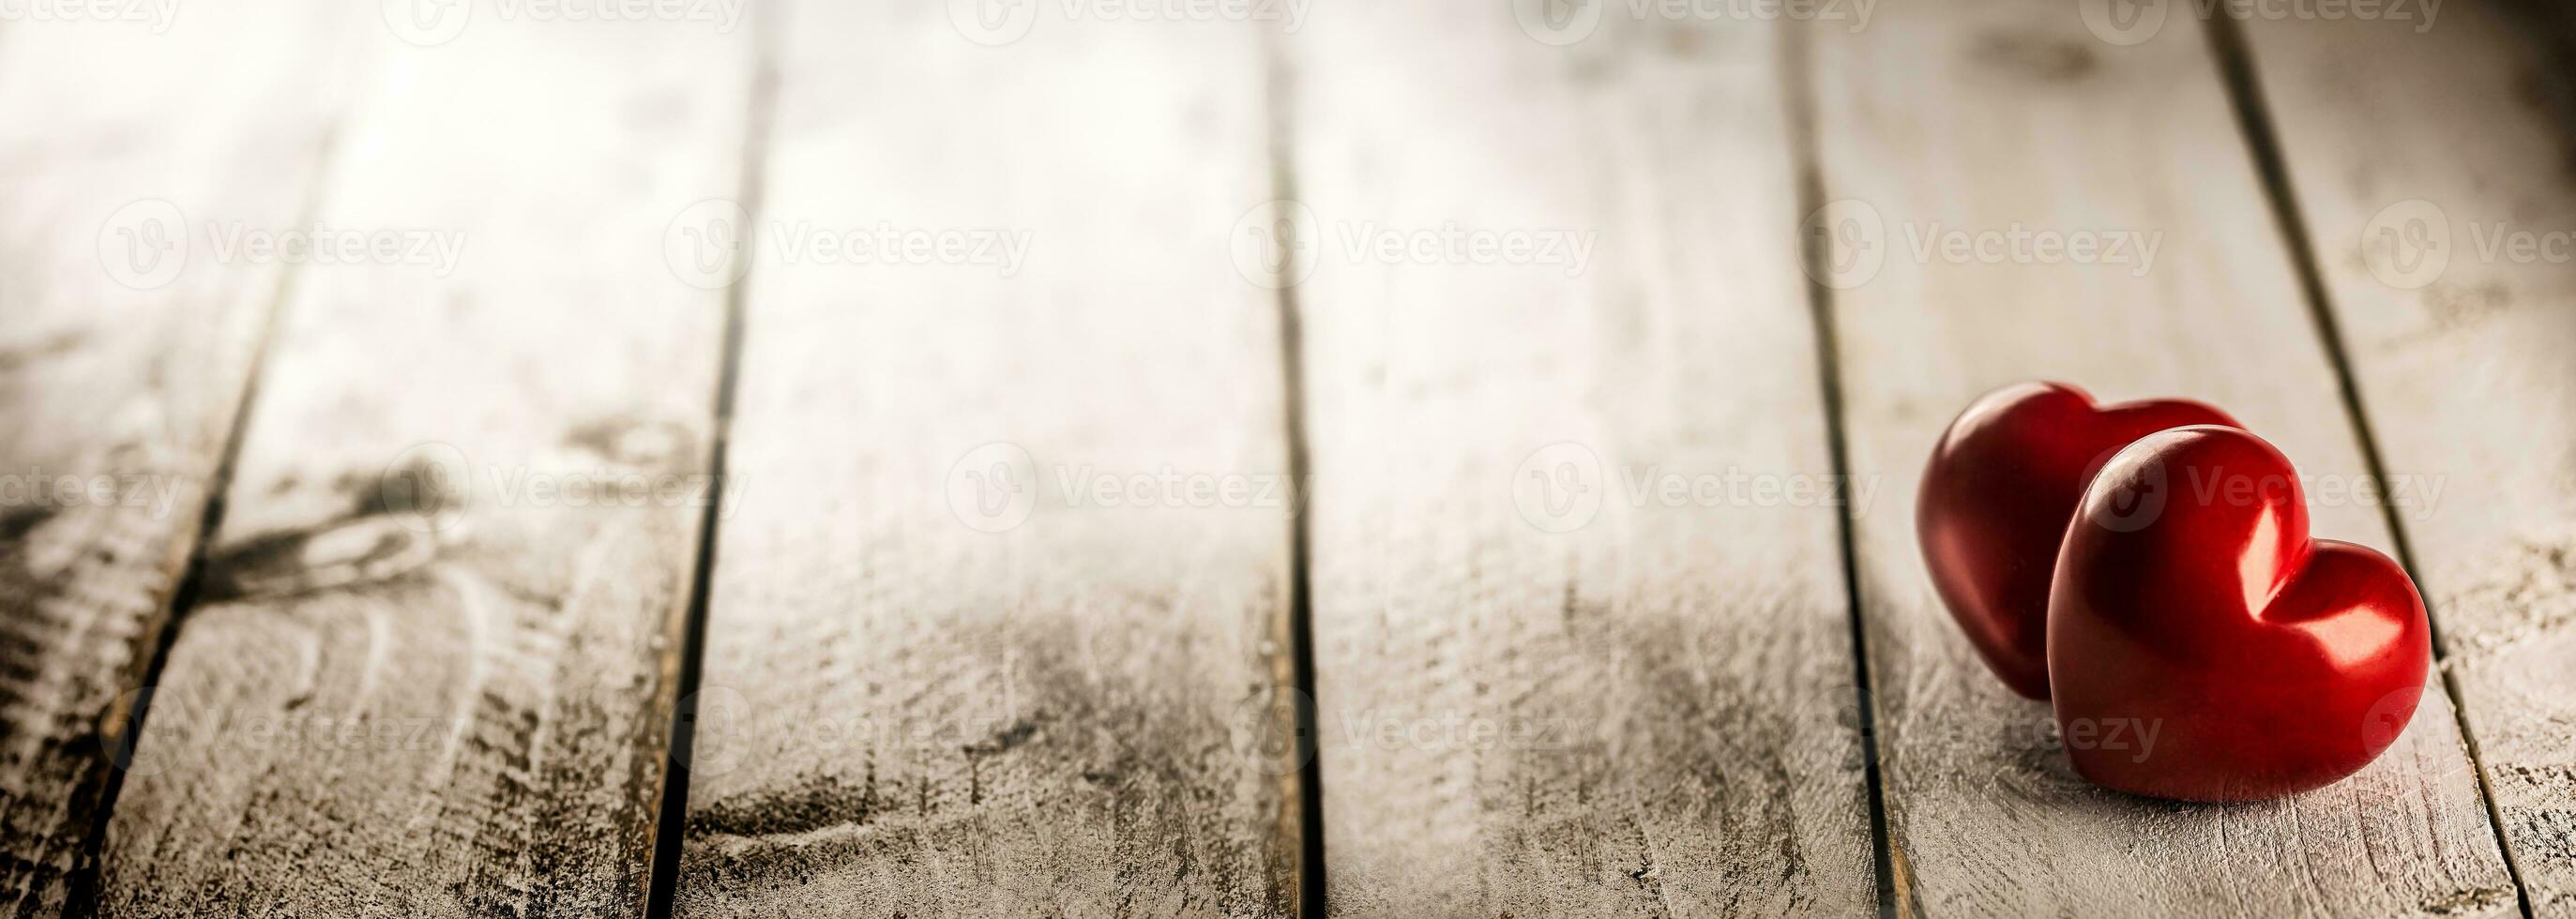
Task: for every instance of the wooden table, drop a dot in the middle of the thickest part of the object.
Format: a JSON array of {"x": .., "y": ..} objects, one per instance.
[{"x": 1433, "y": 458}]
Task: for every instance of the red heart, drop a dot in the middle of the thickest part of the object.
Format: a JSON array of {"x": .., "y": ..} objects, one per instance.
[
  {"x": 1996, "y": 497},
  {"x": 2203, "y": 648}
]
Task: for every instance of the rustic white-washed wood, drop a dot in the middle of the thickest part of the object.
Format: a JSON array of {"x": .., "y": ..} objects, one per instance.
[
  {"x": 1981, "y": 117},
  {"x": 114, "y": 367},
  {"x": 1073, "y": 705},
  {"x": 2462, "y": 359},
  {"x": 432, "y": 672},
  {"x": 1612, "y": 705}
]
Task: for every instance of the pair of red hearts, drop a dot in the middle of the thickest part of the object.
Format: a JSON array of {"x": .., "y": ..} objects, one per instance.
[{"x": 2147, "y": 567}]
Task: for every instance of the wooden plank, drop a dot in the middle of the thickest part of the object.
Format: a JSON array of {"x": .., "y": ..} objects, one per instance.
[
  {"x": 1961, "y": 118},
  {"x": 1582, "y": 644},
  {"x": 433, "y": 671},
  {"x": 949, "y": 673},
  {"x": 2436, "y": 188},
  {"x": 122, "y": 366}
]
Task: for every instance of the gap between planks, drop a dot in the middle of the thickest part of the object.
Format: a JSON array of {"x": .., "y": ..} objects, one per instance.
[
  {"x": 670, "y": 829},
  {"x": 1279, "y": 93},
  {"x": 764, "y": 430},
  {"x": 2237, "y": 72},
  {"x": 1798, "y": 86},
  {"x": 81, "y": 899}
]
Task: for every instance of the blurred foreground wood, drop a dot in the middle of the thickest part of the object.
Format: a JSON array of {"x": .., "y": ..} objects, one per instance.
[{"x": 125, "y": 346}]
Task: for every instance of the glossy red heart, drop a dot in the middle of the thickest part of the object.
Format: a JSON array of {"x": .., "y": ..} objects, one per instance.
[
  {"x": 2203, "y": 648},
  {"x": 1996, "y": 498}
]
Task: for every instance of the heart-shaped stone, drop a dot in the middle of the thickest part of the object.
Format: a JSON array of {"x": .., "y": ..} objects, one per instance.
[
  {"x": 2203, "y": 648},
  {"x": 1996, "y": 498}
]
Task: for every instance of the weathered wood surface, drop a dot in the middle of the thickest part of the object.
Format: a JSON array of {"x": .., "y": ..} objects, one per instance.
[
  {"x": 122, "y": 360},
  {"x": 2444, "y": 249},
  {"x": 432, "y": 671},
  {"x": 1967, "y": 117},
  {"x": 949, "y": 671},
  {"x": 1542, "y": 692}
]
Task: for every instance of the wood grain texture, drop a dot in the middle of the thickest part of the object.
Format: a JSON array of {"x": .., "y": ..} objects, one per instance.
[
  {"x": 1551, "y": 684},
  {"x": 432, "y": 674},
  {"x": 2461, "y": 327},
  {"x": 1990, "y": 117},
  {"x": 948, "y": 672},
  {"x": 123, "y": 366}
]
